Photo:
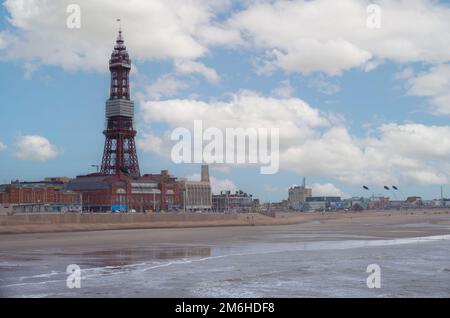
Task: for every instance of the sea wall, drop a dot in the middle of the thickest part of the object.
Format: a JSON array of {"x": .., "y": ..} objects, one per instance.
[{"x": 93, "y": 218}]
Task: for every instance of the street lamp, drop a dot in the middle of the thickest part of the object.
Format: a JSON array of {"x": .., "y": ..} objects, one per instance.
[
  {"x": 397, "y": 189},
  {"x": 367, "y": 188},
  {"x": 404, "y": 198},
  {"x": 388, "y": 189}
]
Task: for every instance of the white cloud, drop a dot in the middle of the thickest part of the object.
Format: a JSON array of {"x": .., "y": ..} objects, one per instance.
[
  {"x": 2, "y": 146},
  {"x": 191, "y": 67},
  {"x": 217, "y": 185},
  {"x": 285, "y": 89},
  {"x": 313, "y": 143},
  {"x": 157, "y": 29},
  {"x": 297, "y": 36},
  {"x": 397, "y": 155},
  {"x": 152, "y": 143},
  {"x": 220, "y": 35},
  {"x": 35, "y": 148},
  {"x": 434, "y": 84},
  {"x": 245, "y": 110},
  {"x": 346, "y": 56},
  {"x": 327, "y": 190},
  {"x": 165, "y": 86},
  {"x": 417, "y": 140},
  {"x": 332, "y": 36},
  {"x": 404, "y": 74}
]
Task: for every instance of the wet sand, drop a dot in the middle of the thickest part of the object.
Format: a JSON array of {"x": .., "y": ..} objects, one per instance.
[
  {"x": 374, "y": 225},
  {"x": 316, "y": 256}
]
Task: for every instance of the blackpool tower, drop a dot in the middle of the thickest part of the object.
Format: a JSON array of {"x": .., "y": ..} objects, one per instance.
[{"x": 120, "y": 149}]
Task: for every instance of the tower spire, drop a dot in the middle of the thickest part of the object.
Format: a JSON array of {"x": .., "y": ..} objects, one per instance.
[
  {"x": 120, "y": 25},
  {"x": 120, "y": 37}
]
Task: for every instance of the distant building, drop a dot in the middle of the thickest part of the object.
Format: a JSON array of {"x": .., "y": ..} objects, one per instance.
[
  {"x": 356, "y": 203},
  {"x": 414, "y": 201},
  {"x": 102, "y": 193},
  {"x": 234, "y": 202},
  {"x": 146, "y": 195},
  {"x": 197, "y": 195},
  {"x": 323, "y": 204},
  {"x": 51, "y": 195},
  {"x": 433, "y": 203},
  {"x": 57, "y": 179},
  {"x": 150, "y": 192},
  {"x": 395, "y": 204},
  {"x": 124, "y": 193},
  {"x": 445, "y": 203},
  {"x": 171, "y": 196},
  {"x": 297, "y": 196},
  {"x": 281, "y": 206},
  {"x": 378, "y": 203}
]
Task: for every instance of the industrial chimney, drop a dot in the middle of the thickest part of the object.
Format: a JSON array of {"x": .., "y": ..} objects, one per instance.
[{"x": 205, "y": 173}]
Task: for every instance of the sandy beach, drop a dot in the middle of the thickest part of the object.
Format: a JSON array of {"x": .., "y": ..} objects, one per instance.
[
  {"x": 314, "y": 255},
  {"x": 341, "y": 220},
  {"x": 373, "y": 224}
]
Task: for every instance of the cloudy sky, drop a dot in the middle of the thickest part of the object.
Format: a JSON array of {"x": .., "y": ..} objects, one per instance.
[{"x": 355, "y": 104}]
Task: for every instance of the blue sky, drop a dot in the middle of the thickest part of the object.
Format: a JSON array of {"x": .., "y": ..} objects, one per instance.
[{"x": 386, "y": 108}]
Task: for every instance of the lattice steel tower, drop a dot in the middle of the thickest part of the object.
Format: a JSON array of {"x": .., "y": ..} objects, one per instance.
[{"x": 120, "y": 148}]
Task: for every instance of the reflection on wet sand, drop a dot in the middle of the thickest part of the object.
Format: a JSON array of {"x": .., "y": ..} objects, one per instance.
[{"x": 121, "y": 257}]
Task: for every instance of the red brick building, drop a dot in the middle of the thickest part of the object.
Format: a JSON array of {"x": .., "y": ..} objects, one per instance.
[
  {"x": 170, "y": 191},
  {"x": 42, "y": 196},
  {"x": 151, "y": 192}
]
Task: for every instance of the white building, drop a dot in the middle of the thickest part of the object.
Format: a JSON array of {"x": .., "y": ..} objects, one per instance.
[
  {"x": 197, "y": 195},
  {"x": 297, "y": 196}
]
